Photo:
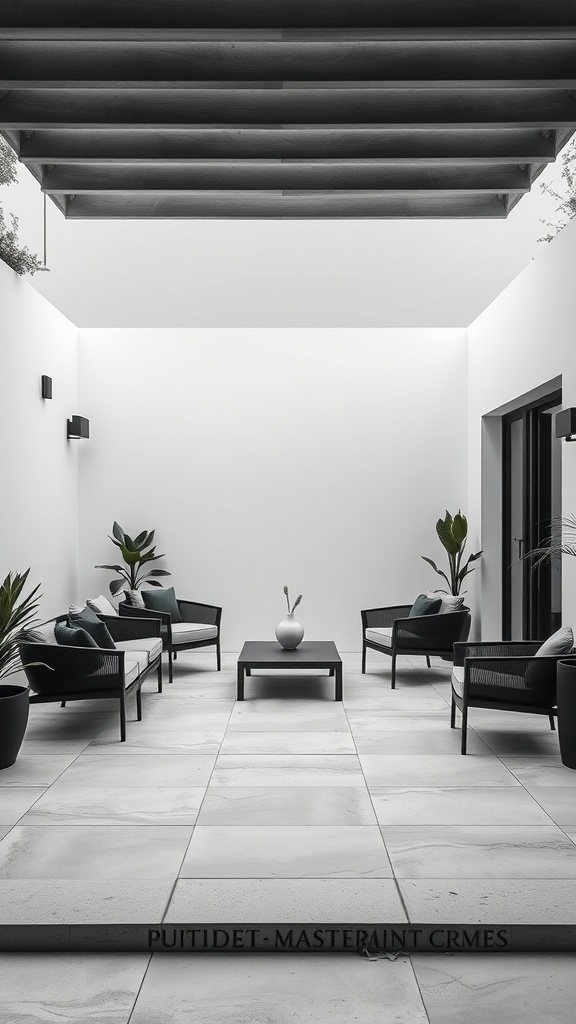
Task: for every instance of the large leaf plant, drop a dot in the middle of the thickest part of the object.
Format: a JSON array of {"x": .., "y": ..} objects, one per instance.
[
  {"x": 452, "y": 532},
  {"x": 17, "y": 618},
  {"x": 137, "y": 554}
]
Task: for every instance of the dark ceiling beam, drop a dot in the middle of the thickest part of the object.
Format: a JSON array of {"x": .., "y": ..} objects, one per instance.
[
  {"x": 285, "y": 13},
  {"x": 281, "y": 206},
  {"x": 458, "y": 145},
  {"x": 546, "y": 64},
  {"x": 528, "y": 108},
  {"x": 258, "y": 175}
]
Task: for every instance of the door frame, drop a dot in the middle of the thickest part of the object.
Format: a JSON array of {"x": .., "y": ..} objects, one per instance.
[{"x": 533, "y": 457}]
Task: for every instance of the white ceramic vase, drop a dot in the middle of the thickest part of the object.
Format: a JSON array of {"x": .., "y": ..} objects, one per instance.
[{"x": 289, "y": 633}]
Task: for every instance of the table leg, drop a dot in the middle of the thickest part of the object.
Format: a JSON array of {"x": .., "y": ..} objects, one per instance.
[
  {"x": 331, "y": 672},
  {"x": 248, "y": 671},
  {"x": 240, "y": 682},
  {"x": 338, "y": 682}
]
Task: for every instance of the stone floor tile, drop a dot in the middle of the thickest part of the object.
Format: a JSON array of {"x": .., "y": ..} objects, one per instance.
[
  {"x": 285, "y": 901},
  {"x": 116, "y": 805},
  {"x": 398, "y": 721},
  {"x": 479, "y": 852},
  {"x": 32, "y": 771},
  {"x": 558, "y": 801},
  {"x": 287, "y": 770},
  {"x": 308, "y": 851},
  {"x": 93, "y": 852},
  {"x": 488, "y": 900},
  {"x": 288, "y": 743},
  {"x": 149, "y": 739},
  {"x": 540, "y": 771},
  {"x": 506, "y": 805},
  {"x": 537, "y": 743},
  {"x": 82, "y": 901},
  {"x": 435, "y": 770},
  {"x": 40, "y": 988},
  {"x": 286, "y": 805},
  {"x": 317, "y": 720},
  {"x": 15, "y": 801},
  {"x": 421, "y": 741},
  {"x": 419, "y": 702},
  {"x": 515, "y": 988},
  {"x": 131, "y": 769},
  {"x": 278, "y": 990}
]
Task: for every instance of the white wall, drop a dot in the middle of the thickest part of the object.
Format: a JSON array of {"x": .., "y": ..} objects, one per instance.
[
  {"x": 524, "y": 339},
  {"x": 320, "y": 459},
  {"x": 39, "y": 507}
]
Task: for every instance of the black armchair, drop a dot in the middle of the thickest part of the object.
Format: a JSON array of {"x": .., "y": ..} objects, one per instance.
[
  {"x": 56, "y": 672},
  {"x": 391, "y": 631},
  {"x": 200, "y": 627},
  {"x": 504, "y": 676}
]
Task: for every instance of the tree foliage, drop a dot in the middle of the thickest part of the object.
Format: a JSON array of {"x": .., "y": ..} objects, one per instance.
[
  {"x": 12, "y": 252},
  {"x": 566, "y": 199}
]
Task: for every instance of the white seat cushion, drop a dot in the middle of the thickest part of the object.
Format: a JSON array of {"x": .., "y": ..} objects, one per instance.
[
  {"x": 458, "y": 679},
  {"x": 133, "y": 665},
  {"x": 151, "y": 645},
  {"x": 101, "y": 605},
  {"x": 190, "y": 632},
  {"x": 379, "y": 636}
]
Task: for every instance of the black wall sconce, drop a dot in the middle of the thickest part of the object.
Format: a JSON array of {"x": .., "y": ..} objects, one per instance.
[
  {"x": 46, "y": 386},
  {"x": 78, "y": 426},
  {"x": 565, "y": 423}
]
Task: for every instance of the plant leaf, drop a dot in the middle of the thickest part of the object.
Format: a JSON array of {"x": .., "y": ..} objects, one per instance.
[
  {"x": 116, "y": 585},
  {"x": 118, "y": 532},
  {"x": 158, "y": 572},
  {"x": 460, "y": 528}
]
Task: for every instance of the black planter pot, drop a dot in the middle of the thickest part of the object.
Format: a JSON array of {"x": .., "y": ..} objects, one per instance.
[
  {"x": 14, "y": 708},
  {"x": 566, "y": 697}
]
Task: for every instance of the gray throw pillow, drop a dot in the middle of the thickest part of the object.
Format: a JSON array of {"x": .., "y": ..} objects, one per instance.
[
  {"x": 425, "y": 606},
  {"x": 101, "y": 605},
  {"x": 89, "y": 621},
  {"x": 73, "y": 636},
  {"x": 561, "y": 642},
  {"x": 162, "y": 600}
]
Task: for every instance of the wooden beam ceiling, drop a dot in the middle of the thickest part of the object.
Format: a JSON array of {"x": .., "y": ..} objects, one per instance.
[{"x": 287, "y": 108}]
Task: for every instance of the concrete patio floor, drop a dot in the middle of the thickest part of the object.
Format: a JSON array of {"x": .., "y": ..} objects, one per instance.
[{"x": 287, "y": 810}]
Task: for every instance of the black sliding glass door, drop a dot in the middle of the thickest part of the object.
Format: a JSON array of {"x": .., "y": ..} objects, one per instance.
[{"x": 532, "y": 597}]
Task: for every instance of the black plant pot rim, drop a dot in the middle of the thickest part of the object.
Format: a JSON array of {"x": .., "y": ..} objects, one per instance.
[
  {"x": 570, "y": 661},
  {"x": 15, "y": 690}
]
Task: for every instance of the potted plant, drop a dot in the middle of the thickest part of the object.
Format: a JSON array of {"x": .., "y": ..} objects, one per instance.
[
  {"x": 452, "y": 532},
  {"x": 17, "y": 616},
  {"x": 137, "y": 554}
]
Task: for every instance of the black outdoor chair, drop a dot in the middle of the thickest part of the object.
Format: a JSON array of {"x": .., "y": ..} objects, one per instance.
[
  {"x": 391, "y": 631},
  {"x": 200, "y": 627},
  {"x": 503, "y": 676},
  {"x": 60, "y": 673}
]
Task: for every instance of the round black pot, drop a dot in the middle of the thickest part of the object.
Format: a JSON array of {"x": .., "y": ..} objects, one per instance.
[
  {"x": 14, "y": 708},
  {"x": 566, "y": 698}
]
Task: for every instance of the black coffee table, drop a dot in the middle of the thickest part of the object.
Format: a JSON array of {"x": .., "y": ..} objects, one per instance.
[{"x": 257, "y": 654}]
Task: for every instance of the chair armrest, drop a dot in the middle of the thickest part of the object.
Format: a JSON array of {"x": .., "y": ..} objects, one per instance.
[
  {"x": 495, "y": 649},
  {"x": 520, "y": 679},
  {"x": 194, "y": 611},
  {"x": 382, "y": 617},
  {"x": 131, "y": 628},
  {"x": 51, "y": 668},
  {"x": 129, "y": 611},
  {"x": 440, "y": 631}
]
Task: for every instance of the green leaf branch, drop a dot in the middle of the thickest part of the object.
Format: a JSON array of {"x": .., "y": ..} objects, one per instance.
[{"x": 137, "y": 553}]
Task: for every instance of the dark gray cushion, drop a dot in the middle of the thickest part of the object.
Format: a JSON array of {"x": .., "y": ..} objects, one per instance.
[
  {"x": 89, "y": 621},
  {"x": 73, "y": 636},
  {"x": 425, "y": 606},
  {"x": 162, "y": 600}
]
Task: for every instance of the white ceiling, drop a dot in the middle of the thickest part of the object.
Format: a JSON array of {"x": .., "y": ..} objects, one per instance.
[{"x": 389, "y": 273}]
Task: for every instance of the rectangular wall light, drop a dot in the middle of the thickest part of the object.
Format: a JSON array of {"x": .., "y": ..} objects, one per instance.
[
  {"x": 565, "y": 424},
  {"x": 46, "y": 386},
  {"x": 78, "y": 426}
]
